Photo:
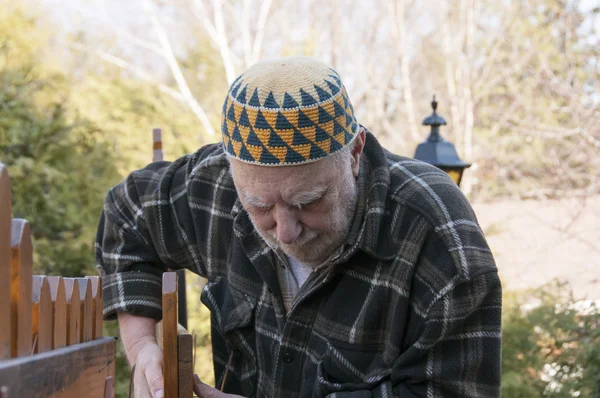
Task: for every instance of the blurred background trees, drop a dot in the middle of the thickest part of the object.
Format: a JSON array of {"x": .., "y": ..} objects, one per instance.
[{"x": 82, "y": 84}]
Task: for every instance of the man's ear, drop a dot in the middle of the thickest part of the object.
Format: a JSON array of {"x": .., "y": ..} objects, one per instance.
[{"x": 357, "y": 149}]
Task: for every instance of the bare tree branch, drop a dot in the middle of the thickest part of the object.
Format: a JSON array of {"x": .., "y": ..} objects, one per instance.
[
  {"x": 200, "y": 12},
  {"x": 260, "y": 30},
  {"x": 398, "y": 9},
  {"x": 123, "y": 64},
  {"x": 177, "y": 73},
  {"x": 245, "y": 24},
  {"x": 223, "y": 42}
]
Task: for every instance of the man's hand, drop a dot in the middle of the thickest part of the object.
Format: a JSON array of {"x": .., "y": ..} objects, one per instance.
[
  {"x": 205, "y": 391},
  {"x": 148, "y": 380}
]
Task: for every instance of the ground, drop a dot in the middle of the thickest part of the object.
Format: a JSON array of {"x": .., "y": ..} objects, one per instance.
[{"x": 536, "y": 241}]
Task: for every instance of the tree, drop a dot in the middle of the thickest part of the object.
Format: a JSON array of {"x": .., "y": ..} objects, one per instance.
[{"x": 59, "y": 168}]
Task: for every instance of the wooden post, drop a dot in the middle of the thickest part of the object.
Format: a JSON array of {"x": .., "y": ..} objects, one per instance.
[
  {"x": 73, "y": 311},
  {"x": 185, "y": 365},
  {"x": 41, "y": 314},
  {"x": 21, "y": 277},
  {"x": 87, "y": 306},
  {"x": 97, "y": 306},
  {"x": 169, "y": 320},
  {"x": 5, "y": 263},
  {"x": 157, "y": 154},
  {"x": 59, "y": 311}
]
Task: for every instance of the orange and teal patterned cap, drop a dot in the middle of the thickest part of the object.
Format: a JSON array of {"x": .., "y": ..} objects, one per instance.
[{"x": 287, "y": 111}]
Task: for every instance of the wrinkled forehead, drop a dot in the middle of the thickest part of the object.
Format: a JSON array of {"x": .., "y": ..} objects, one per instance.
[{"x": 257, "y": 179}]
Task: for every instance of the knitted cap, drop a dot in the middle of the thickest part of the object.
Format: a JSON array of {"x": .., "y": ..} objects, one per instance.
[{"x": 287, "y": 111}]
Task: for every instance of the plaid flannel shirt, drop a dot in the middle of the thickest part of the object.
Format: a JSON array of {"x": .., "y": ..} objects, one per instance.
[{"x": 411, "y": 306}]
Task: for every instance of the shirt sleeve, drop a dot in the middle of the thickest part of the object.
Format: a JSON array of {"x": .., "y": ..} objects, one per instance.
[
  {"x": 133, "y": 248},
  {"x": 458, "y": 353}
]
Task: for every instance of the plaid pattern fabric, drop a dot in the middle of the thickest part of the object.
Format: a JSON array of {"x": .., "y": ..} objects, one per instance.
[{"x": 410, "y": 307}]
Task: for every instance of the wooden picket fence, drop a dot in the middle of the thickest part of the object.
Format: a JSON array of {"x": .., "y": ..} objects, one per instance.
[{"x": 51, "y": 342}]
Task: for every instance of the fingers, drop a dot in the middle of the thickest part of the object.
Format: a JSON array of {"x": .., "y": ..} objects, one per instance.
[
  {"x": 150, "y": 364},
  {"x": 155, "y": 379},
  {"x": 205, "y": 391},
  {"x": 140, "y": 387}
]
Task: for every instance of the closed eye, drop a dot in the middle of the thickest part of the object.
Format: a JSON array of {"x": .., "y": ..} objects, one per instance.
[
  {"x": 262, "y": 209},
  {"x": 309, "y": 205},
  {"x": 309, "y": 199}
]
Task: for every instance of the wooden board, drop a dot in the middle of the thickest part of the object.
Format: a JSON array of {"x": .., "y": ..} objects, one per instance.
[
  {"x": 98, "y": 305},
  {"x": 73, "y": 311},
  {"x": 169, "y": 320},
  {"x": 87, "y": 307},
  {"x": 5, "y": 263},
  {"x": 76, "y": 371},
  {"x": 185, "y": 365},
  {"x": 59, "y": 310},
  {"x": 109, "y": 387},
  {"x": 41, "y": 319},
  {"x": 20, "y": 288}
]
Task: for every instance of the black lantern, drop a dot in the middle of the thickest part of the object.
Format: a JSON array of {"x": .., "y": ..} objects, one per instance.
[{"x": 439, "y": 152}]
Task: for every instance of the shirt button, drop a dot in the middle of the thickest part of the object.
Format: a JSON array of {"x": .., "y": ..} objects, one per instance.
[{"x": 288, "y": 357}]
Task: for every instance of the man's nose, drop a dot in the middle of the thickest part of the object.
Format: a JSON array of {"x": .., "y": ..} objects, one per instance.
[{"x": 288, "y": 227}]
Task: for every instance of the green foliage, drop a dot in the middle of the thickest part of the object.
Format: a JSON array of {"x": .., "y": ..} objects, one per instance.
[
  {"x": 127, "y": 111},
  {"x": 59, "y": 168},
  {"x": 551, "y": 344}
]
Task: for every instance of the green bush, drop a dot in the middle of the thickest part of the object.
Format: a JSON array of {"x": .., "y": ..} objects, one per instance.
[{"x": 551, "y": 344}]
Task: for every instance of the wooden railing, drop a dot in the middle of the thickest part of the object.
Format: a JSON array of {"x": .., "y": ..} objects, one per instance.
[{"x": 51, "y": 342}]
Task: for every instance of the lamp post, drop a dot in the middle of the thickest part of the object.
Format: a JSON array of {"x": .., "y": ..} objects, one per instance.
[{"x": 439, "y": 152}]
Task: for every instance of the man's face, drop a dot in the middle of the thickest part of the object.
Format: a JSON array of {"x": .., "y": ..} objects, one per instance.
[{"x": 304, "y": 210}]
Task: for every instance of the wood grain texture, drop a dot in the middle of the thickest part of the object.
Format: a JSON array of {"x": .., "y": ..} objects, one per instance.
[
  {"x": 109, "y": 387},
  {"x": 73, "y": 311},
  {"x": 5, "y": 263},
  {"x": 59, "y": 311},
  {"x": 185, "y": 365},
  {"x": 169, "y": 320},
  {"x": 76, "y": 371},
  {"x": 41, "y": 319},
  {"x": 87, "y": 306},
  {"x": 20, "y": 288},
  {"x": 98, "y": 306}
]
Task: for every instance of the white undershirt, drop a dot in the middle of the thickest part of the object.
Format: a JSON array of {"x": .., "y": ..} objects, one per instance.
[{"x": 300, "y": 270}]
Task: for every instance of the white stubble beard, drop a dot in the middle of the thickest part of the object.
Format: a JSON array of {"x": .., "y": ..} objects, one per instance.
[{"x": 313, "y": 248}]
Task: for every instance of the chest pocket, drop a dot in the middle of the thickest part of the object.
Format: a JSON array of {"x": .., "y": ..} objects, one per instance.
[
  {"x": 349, "y": 367},
  {"x": 233, "y": 336}
]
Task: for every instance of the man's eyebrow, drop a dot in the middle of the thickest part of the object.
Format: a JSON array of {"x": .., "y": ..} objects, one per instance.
[
  {"x": 305, "y": 198},
  {"x": 254, "y": 201}
]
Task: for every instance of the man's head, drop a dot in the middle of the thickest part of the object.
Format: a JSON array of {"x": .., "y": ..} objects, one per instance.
[{"x": 294, "y": 147}]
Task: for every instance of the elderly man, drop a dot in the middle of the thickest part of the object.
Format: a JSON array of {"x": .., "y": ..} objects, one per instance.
[{"x": 334, "y": 267}]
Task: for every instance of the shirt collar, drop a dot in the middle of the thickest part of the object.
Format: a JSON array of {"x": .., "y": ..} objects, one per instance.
[{"x": 371, "y": 209}]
